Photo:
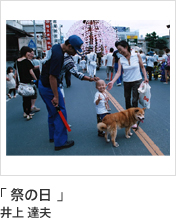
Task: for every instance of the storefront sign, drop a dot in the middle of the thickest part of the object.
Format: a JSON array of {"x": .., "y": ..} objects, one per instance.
[{"x": 48, "y": 34}]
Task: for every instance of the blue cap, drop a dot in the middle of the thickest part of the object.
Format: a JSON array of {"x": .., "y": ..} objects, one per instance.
[
  {"x": 151, "y": 53},
  {"x": 76, "y": 42}
]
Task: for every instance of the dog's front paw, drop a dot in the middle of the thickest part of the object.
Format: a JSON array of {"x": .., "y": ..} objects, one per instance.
[
  {"x": 107, "y": 140},
  {"x": 130, "y": 133},
  {"x": 127, "y": 136}
]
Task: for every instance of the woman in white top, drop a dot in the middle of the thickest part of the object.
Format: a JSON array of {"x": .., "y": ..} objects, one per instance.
[{"x": 132, "y": 79}]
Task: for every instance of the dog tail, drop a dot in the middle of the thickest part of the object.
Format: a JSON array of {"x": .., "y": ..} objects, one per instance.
[{"x": 101, "y": 126}]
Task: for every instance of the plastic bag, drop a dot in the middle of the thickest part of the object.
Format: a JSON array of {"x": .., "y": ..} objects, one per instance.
[{"x": 144, "y": 95}]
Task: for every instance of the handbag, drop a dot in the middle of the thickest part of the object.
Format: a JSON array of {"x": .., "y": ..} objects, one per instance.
[
  {"x": 144, "y": 95},
  {"x": 26, "y": 90}
]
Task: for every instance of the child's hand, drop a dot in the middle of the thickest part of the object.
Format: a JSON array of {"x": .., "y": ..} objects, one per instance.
[{"x": 99, "y": 98}]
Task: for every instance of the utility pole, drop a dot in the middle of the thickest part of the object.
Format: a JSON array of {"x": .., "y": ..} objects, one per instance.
[{"x": 35, "y": 37}]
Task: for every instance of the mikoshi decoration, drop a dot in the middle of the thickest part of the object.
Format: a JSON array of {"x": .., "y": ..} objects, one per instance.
[{"x": 97, "y": 35}]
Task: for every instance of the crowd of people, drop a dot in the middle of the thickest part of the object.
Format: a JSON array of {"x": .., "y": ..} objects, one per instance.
[
  {"x": 62, "y": 60},
  {"x": 157, "y": 66}
]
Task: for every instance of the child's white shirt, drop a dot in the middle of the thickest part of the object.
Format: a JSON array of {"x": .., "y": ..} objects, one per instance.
[
  {"x": 100, "y": 108},
  {"x": 11, "y": 84}
]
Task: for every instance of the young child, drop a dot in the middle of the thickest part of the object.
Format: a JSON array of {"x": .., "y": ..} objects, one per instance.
[
  {"x": 11, "y": 84},
  {"x": 101, "y": 102}
]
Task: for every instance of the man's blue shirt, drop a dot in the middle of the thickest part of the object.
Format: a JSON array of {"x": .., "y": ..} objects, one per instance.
[{"x": 53, "y": 66}]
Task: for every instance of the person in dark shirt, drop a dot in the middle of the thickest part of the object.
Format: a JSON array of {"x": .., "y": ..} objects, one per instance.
[
  {"x": 116, "y": 55},
  {"x": 26, "y": 75},
  {"x": 50, "y": 91}
]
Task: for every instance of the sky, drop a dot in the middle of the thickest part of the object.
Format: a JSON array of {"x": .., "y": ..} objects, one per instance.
[{"x": 144, "y": 26}]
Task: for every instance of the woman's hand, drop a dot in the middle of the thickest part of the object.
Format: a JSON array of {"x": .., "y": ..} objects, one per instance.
[
  {"x": 110, "y": 85},
  {"x": 146, "y": 80}
]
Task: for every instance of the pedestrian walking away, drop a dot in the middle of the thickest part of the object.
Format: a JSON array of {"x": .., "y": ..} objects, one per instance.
[
  {"x": 92, "y": 58},
  {"x": 150, "y": 64},
  {"x": 109, "y": 64},
  {"x": 131, "y": 63}
]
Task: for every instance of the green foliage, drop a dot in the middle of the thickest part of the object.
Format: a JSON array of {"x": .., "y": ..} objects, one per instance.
[
  {"x": 154, "y": 41},
  {"x": 161, "y": 43}
]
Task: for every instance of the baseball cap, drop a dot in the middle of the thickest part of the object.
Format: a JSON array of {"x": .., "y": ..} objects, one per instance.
[
  {"x": 151, "y": 53},
  {"x": 76, "y": 42}
]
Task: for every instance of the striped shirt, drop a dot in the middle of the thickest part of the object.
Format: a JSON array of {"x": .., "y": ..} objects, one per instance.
[{"x": 69, "y": 65}]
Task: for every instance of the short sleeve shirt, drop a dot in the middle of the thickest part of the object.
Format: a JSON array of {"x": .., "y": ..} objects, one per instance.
[
  {"x": 24, "y": 67},
  {"x": 53, "y": 66},
  {"x": 100, "y": 108},
  {"x": 109, "y": 59}
]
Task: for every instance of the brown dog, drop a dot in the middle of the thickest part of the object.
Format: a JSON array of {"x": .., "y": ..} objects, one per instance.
[{"x": 124, "y": 119}]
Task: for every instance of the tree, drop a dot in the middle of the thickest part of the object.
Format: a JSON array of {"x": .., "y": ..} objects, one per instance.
[
  {"x": 161, "y": 43},
  {"x": 151, "y": 38},
  {"x": 155, "y": 41}
]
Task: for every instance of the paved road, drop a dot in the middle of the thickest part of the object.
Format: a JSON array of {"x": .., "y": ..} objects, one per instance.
[{"x": 31, "y": 137}]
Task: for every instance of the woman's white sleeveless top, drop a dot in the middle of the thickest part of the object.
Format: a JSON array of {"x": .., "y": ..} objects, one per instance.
[{"x": 131, "y": 71}]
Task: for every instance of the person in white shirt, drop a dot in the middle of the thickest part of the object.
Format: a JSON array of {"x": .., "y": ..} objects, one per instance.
[
  {"x": 83, "y": 64},
  {"x": 165, "y": 55},
  {"x": 132, "y": 78},
  {"x": 109, "y": 63},
  {"x": 155, "y": 58},
  {"x": 150, "y": 64},
  {"x": 92, "y": 59},
  {"x": 101, "y": 102},
  {"x": 11, "y": 83},
  {"x": 87, "y": 62},
  {"x": 77, "y": 59}
]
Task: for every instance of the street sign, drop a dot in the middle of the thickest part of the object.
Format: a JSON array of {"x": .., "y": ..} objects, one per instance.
[
  {"x": 132, "y": 39},
  {"x": 32, "y": 44}
]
